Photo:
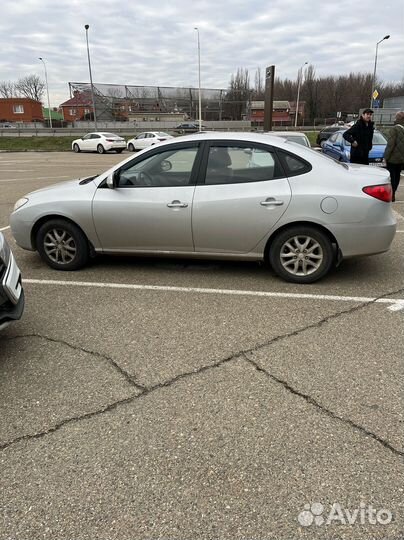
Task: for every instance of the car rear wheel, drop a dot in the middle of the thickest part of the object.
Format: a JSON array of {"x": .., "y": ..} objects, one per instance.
[
  {"x": 301, "y": 254},
  {"x": 62, "y": 245},
  {"x": 76, "y": 148},
  {"x": 100, "y": 149}
]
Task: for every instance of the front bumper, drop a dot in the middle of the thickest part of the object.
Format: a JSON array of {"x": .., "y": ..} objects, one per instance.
[{"x": 11, "y": 293}]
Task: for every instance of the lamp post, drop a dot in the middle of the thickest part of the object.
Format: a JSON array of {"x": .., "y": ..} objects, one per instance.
[
  {"x": 47, "y": 91},
  {"x": 374, "y": 71},
  {"x": 199, "y": 80},
  {"x": 299, "y": 80},
  {"x": 87, "y": 26}
]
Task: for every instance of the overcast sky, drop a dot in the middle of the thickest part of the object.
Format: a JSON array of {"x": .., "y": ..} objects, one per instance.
[{"x": 154, "y": 42}]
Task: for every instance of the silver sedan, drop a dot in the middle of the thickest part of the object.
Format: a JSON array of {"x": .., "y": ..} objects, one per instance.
[{"x": 214, "y": 195}]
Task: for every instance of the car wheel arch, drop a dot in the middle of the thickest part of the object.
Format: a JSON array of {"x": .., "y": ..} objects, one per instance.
[
  {"x": 38, "y": 224},
  {"x": 300, "y": 223}
]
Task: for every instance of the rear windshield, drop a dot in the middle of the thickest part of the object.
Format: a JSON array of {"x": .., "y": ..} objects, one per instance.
[
  {"x": 162, "y": 134},
  {"x": 109, "y": 135}
]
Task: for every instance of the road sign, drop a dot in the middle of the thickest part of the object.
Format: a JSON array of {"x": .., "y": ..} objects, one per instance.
[
  {"x": 375, "y": 94},
  {"x": 376, "y": 103}
]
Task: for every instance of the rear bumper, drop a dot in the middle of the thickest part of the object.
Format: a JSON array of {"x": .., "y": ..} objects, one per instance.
[{"x": 364, "y": 239}]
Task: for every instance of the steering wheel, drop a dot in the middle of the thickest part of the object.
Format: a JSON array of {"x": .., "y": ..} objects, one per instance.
[{"x": 145, "y": 178}]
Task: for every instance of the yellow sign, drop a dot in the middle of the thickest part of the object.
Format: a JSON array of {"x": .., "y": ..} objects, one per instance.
[{"x": 375, "y": 94}]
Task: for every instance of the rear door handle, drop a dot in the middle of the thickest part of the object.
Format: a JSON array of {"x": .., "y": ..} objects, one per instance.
[
  {"x": 270, "y": 201},
  {"x": 177, "y": 204}
]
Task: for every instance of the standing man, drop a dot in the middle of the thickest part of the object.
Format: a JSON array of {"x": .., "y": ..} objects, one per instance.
[
  {"x": 394, "y": 153},
  {"x": 360, "y": 135}
]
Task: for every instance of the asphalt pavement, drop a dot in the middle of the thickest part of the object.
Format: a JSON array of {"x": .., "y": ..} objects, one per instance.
[{"x": 177, "y": 399}]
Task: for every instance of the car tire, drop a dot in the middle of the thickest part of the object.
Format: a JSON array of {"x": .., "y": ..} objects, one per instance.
[
  {"x": 76, "y": 148},
  {"x": 62, "y": 245},
  {"x": 100, "y": 149},
  {"x": 322, "y": 142},
  {"x": 301, "y": 254},
  {"x": 131, "y": 148}
]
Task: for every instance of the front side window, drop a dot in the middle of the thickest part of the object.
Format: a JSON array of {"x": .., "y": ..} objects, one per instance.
[
  {"x": 239, "y": 164},
  {"x": 18, "y": 109},
  {"x": 164, "y": 169}
]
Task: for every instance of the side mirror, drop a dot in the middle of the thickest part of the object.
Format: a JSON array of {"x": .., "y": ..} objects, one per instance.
[{"x": 111, "y": 181}]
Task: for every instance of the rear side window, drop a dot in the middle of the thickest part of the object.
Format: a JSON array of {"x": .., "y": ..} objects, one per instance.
[
  {"x": 293, "y": 164},
  {"x": 240, "y": 164}
]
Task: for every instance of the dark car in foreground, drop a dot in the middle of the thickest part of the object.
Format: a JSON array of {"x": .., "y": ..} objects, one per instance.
[{"x": 11, "y": 291}]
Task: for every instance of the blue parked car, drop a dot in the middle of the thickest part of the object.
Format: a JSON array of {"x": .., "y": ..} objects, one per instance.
[{"x": 340, "y": 149}]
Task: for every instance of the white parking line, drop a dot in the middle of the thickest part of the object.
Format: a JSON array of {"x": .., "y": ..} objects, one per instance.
[
  {"x": 5, "y": 228},
  {"x": 396, "y": 304}
]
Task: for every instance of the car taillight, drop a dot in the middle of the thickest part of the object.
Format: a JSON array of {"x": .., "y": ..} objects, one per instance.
[
  {"x": 161, "y": 140},
  {"x": 110, "y": 140},
  {"x": 383, "y": 192}
]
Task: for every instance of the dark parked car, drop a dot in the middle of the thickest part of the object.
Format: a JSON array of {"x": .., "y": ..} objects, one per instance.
[
  {"x": 188, "y": 127},
  {"x": 326, "y": 133},
  {"x": 11, "y": 292}
]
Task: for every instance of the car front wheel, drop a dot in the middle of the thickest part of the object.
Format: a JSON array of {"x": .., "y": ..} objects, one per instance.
[
  {"x": 301, "y": 254},
  {"x": 76, "y": 148},
  {"x": 62, "y": 245},
  {"x": 131, "y": 148},
  {"x": 100, "y": 149}
]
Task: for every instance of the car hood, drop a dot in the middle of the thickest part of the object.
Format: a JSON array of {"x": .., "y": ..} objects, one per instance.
[{"x": 62, "y": 186}]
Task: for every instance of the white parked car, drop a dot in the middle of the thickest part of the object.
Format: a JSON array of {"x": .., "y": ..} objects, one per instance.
[
  {"x": 148, "y": 138},
  {"x": 99, "y": 142}
]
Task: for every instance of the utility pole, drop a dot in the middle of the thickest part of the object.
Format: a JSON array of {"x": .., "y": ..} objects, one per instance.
[
  {"x": 87, "y": 26},
  {"x": 269, "y": 97}
]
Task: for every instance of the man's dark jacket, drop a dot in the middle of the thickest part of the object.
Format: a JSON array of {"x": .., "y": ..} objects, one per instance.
[{"x": 362, "y": 133}]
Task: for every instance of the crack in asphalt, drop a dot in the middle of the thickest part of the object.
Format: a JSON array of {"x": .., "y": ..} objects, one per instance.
[
  {"x": 129, "y": 378},
  {"x": 145, "y": 391},
  {"x": 323, "y": 409}
]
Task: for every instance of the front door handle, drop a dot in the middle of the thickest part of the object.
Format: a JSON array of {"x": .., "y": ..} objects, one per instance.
[
  {"x": 177, "y": 204},
  {"x": 270, "y": 201}
]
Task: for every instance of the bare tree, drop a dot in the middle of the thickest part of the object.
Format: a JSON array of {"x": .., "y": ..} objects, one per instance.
[
  {"x": 31, "y": 87},
  {"x": 7, "y": 89}
]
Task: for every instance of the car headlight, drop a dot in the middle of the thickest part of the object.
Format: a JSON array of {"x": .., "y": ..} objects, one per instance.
[{"x": 20, "y": 203}]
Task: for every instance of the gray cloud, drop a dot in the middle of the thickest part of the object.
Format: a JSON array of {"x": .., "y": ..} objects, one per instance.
[{"x": 155, "y": 43}]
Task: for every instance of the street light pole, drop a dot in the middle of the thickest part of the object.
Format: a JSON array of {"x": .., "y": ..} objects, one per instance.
[
  {"x": 199, "y": 80},
  {"x": 47, "y": 91},
  {"x": 87, "y": 26},
  {"x": 299, "y": 80},
  {"x": 374, "y": 71}
]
